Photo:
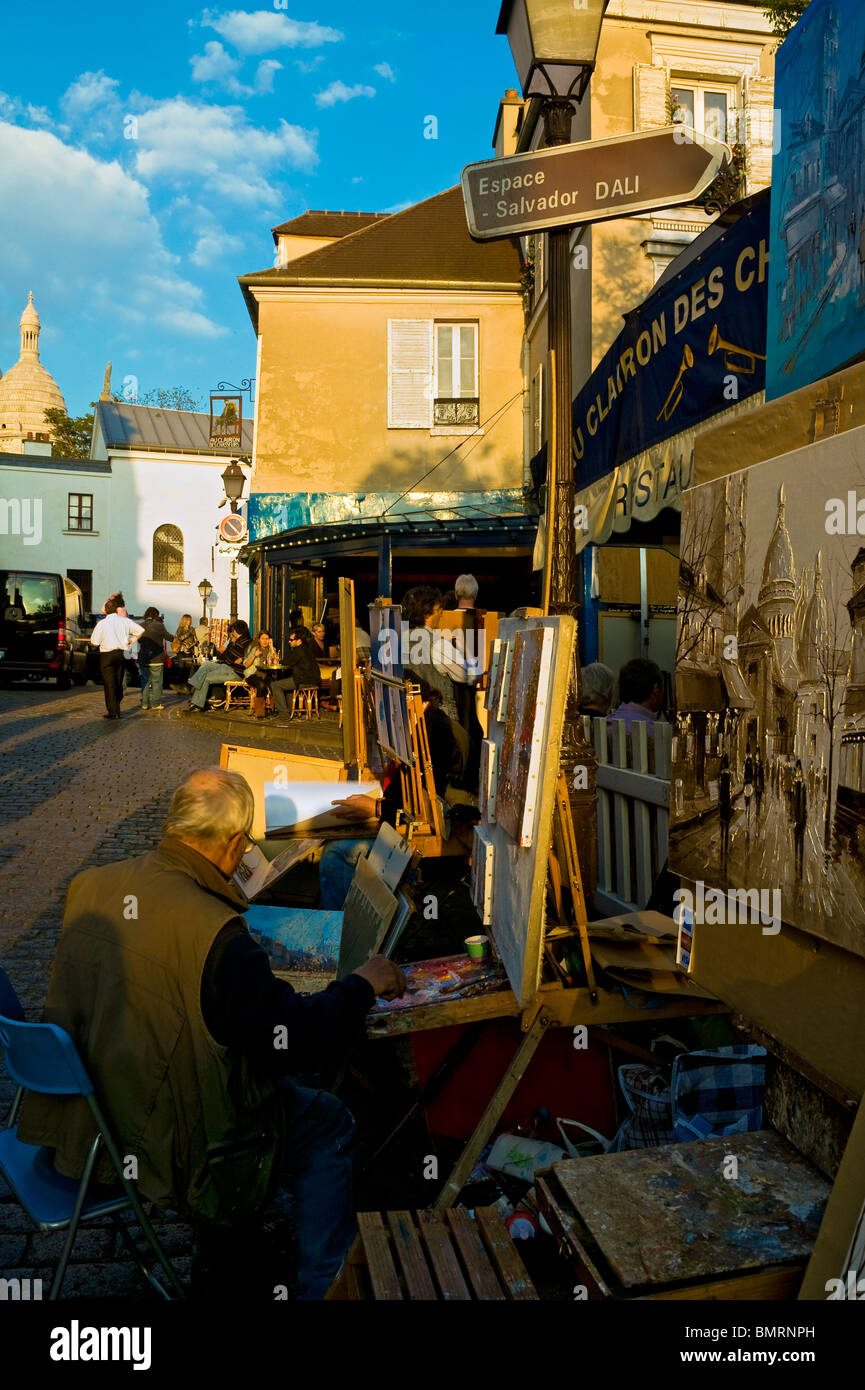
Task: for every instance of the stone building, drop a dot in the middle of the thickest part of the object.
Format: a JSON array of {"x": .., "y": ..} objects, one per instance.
[{"x": 26, "y": 392}]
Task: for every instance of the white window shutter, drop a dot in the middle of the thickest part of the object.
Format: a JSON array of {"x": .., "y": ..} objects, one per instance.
[{"x": 409, "y": 373}]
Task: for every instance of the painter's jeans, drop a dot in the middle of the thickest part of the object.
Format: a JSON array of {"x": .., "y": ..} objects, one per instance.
[{"x": 318, "y": 1171}]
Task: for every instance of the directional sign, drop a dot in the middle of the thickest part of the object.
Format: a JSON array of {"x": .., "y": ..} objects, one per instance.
[{"x": 590, "y": 182}]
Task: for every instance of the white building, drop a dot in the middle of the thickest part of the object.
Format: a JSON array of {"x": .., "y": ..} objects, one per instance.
[
  {"x": 165, "y": 493},
  {"x": 139, "y": 515}
]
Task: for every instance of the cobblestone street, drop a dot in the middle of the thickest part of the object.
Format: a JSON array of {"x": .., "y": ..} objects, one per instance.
[{"x": 78, "y": 790}]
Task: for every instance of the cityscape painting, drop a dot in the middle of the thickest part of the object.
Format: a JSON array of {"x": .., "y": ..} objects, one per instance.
[
  {"x": 816, "y": 322},
  {"x": 768, "y": 774}
]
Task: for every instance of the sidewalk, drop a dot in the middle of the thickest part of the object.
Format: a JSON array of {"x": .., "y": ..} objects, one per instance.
[{"x": 315, "y": 738}]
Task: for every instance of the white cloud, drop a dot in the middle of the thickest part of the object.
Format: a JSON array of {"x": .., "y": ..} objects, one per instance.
[
  {"x": 90, "y": 92},
  {"x": 311, "y": 65},
  {"x": 217, "y": 147},
  {"x": 216, "y": 65},
  {"x": 338, "y": 91},
  {"x": 82, "y": 230},
  {"x": 386, "y": 71},
  {"x": 264, "y": 31},
  {"x": 264, "y": 74},
  {"x": 188, "y": 321},
  {"x": 213, "y": 245}
]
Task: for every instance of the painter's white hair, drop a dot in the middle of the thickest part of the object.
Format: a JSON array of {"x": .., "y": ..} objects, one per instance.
[{"x": 211, "y": 806}]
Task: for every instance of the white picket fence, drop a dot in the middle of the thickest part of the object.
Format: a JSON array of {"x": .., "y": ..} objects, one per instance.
[{"x": 633, "y": 810}]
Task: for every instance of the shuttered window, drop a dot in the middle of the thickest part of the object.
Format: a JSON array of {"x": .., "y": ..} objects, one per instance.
[
  {"x": 538, "y": 413},
  {"x": 409, "y": 373}
]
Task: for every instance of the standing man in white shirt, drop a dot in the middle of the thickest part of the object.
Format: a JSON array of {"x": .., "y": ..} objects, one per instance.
[{"x": 113, "y": 635}]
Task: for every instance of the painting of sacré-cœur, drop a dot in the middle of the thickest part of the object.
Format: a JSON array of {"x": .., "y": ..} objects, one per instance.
[
  {"x": 528, "y": 691},
  {"x": 768, "y": 774}
]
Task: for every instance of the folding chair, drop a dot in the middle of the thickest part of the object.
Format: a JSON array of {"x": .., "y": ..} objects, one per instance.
[{"x": 42, "y": 1057}]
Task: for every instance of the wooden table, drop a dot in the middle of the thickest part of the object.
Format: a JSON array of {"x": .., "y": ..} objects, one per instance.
[
  {"x": 429, "y": 1257},
  {"x": 674, "y": 1222}
]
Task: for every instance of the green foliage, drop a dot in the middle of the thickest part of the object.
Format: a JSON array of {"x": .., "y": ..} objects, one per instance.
[
  {"x": 784, "y": 14},
  {"x": 169, "y": 398},
  {"x": 70, "y": 435}
]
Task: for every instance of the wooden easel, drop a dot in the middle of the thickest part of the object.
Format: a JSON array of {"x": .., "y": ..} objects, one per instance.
[
  {"x": 564, "y": 853},
  {"x": 421, "y": 818}
]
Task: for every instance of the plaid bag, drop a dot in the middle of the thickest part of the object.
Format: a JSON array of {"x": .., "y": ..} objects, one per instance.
[
  {"x": 718, "y": 1092},
  {"x": 649, "y": 1100}
]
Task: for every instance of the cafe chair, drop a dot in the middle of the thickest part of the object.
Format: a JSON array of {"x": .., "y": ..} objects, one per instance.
[
  {"x": 306, "y": 698},
  {"x": 233, "y": 696},
  {"x": 41, "y": 1057}
]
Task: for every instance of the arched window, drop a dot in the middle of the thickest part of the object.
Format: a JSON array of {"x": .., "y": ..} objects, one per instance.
[{"x": 168, "y": 553}]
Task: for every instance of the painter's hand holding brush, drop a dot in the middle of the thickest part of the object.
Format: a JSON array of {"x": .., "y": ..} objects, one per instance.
[{"x": 387, "y": 979}]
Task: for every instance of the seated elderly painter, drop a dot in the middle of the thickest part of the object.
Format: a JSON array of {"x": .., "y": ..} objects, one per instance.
[{"x": 191, "y": 1040}]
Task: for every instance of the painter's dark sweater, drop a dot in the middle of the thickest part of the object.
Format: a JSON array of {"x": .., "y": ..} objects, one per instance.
[{"x": 243, "y": 1003}]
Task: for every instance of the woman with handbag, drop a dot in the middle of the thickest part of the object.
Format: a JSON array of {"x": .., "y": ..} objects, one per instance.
[
  {"x": 259, "y": 662},
  {"x": 184, "y": 648}
]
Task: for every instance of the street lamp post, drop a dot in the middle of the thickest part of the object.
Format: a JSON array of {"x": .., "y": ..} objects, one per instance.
[
  {"x": 233, "y": 480},
  {"x": 205, "y": 588},
  {"x": 554, "y": 45}
]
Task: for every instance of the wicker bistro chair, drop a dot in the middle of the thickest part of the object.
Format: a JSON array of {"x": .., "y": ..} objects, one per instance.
[
  {"x": 234, "y": 692},
  {"x": 304, "y": 701},
  {"x": 42, "y": 1057}
]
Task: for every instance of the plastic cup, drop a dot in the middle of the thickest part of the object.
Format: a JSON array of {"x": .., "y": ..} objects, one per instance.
[{"x": 478, "y": 947}]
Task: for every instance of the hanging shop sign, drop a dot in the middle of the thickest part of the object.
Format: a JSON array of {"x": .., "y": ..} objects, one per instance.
[
  {"x": 593, "y": 181},
  {"x": 692, "y": 349},
  {"x": 226, "y": 422}
]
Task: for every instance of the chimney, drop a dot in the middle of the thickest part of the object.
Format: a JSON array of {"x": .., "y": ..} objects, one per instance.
[{"x": 508, "y": 122}]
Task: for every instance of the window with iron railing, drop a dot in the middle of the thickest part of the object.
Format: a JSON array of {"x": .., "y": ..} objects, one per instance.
[
  {"x": 168, "y": 554},
  {"x": 455, "y": 400}
]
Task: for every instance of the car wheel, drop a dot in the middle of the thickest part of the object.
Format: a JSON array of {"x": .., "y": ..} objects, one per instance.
[{"x": 80, "y": 678}]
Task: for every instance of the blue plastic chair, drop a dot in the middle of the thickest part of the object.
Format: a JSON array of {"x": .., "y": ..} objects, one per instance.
[{"x": 42, "y": 1057}]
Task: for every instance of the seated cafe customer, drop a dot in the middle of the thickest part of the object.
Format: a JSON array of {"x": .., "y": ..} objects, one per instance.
[
  {"x": 302, "y": 670},
  {"x": 641, "y": 687},
  {"x": 191, "y": 1041},
  {"x": 260, "y": 661},
  {"x": 229, "y": 667}
]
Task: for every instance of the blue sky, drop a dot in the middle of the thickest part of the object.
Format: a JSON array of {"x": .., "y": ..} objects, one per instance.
[{"x": 239, "y": 119}]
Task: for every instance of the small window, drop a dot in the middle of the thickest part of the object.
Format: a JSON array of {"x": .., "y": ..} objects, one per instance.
[
  {"x": 706, "y": 109},
  {"x": 80, "y": 511},
  {"x": 456, "y": 374},
  {"x": 168, "y": 554}
]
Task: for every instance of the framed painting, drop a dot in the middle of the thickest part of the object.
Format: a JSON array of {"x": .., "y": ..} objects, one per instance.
[{"x": 522, "y": 746}]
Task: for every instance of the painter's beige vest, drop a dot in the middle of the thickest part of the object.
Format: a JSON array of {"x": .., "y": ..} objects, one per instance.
[{"x": 126, "y": 985}]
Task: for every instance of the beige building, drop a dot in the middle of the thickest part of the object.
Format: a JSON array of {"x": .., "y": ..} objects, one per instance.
[
  {"x": 389, "y": 382},
  {"x": 709, "y": 64},
  {"x": 659, "y": 61},
  {"x": 26, "y": 392}
]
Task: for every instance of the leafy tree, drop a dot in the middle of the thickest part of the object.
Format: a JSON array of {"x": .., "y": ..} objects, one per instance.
[
  {"x": 70, "y": 434},
  {"x": 169, "y": 398},
  {"x": 784, "y": 14}
]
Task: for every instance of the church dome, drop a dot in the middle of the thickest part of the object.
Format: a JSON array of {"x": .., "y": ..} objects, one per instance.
[
  {"x": 815, "y": 628},
  {"x": 778, "y": 566},
  {"x": 27, "y": 390}
]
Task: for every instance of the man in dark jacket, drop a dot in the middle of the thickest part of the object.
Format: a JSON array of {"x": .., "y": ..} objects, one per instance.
[
  {"x": 229, "y": 667},
  {"x": 190, "y": 1039},
  {"x": 302, "y": 670}
]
